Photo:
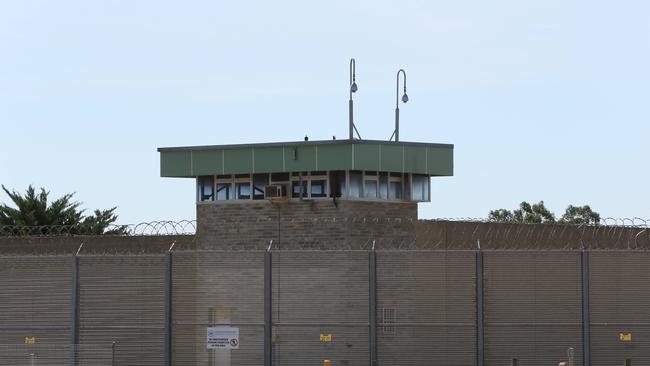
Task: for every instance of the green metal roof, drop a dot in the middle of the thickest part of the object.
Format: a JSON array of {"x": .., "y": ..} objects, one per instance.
[{"x": 406, "y": 157}]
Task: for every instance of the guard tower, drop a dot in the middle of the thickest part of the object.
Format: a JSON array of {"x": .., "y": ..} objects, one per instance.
[{"x": 332, "y": 192}]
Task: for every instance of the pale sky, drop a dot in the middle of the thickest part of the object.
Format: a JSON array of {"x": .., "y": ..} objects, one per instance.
[{"x": 544, "y": 100}]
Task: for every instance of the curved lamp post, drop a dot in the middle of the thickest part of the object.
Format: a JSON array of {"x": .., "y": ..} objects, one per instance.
[
  {"x": 353, "y": 89},
  {"x": 405, "y": 98}
]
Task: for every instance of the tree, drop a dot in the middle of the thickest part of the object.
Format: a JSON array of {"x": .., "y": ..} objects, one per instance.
[
  {"x": 34, "y": 209},
  {"x": 527, "y": 213},
  {"x": 539, "y": 214},
  {"x": 578, "y": 215}
]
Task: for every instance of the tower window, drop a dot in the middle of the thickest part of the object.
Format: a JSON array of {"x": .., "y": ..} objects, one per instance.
[
  {"x": 206, "y": 188},
  {"x": 356, "y": 182},
  {"x": 370, "y": 185}
]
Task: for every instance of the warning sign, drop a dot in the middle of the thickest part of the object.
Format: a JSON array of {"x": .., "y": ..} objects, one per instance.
[
  {"x": 223, "y": 338},
  {"x": 625, "y": 337}
]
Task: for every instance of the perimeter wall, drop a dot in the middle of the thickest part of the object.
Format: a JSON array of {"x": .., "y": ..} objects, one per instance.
[{"x": 464, "y": 294}]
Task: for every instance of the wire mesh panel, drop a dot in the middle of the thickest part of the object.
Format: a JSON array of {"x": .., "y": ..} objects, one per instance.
[
  {"x": 122, "y": 300},
  {"x": 532, "y": 307},
  {"x": 218, "y": 289},
  {"x": 34, "y": 307},
  {"x": 320, "y": 308},
  {"x": 620, "y": 307},
  {"x": 426, "y": 308}
]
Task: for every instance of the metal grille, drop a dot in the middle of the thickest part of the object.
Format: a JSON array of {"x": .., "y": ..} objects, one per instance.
[
  {"x": 533, "y": 307},
  {"x": 433, "y": 295},
  {"x": 320, "y": 293},
  {"x": 218, "y": 288},
  {"x": 122, "y": 300},
  {"x": 321, "y": 302},
  {"x": 35, "y": 304},
  {"x": 620, "y": 303}
]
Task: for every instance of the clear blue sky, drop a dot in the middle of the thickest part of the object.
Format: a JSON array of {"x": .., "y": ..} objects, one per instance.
[{"x": 544, "y": 100}]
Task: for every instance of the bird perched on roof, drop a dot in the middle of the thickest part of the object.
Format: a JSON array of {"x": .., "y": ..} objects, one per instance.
[{"x": 306, "y": 138}]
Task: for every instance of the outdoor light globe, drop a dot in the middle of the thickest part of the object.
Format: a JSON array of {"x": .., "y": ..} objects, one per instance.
[
  {"x": 353, "y": 87},
  {"x": 405, "y": 98}
]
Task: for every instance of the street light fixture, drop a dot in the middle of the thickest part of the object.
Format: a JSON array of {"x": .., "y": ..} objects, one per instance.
[
  {"x": 405, "y": 98},
  {"x": 353, "y": 89}
]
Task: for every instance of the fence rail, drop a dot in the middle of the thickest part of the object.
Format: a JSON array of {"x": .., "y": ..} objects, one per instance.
[{"x": 293, "y": 308}]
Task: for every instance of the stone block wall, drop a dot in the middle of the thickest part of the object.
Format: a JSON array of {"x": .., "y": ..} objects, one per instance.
[{"x": 305, "y": 224}]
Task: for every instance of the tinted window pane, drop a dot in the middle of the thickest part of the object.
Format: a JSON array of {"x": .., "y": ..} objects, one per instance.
[
  {"x": 280, "y": 177},
  {"x": 206, "y": 188},
  {"x": 260, "y": 181},
  {"x": 383, "y": 185},
  {"x": 223, "y": 191},
  {"x": 337, "y": 180},
  {"x": 418, "y": 192},
  {"x": 355, "y": 183},
  {"x": 370, "y": 189},
  {"x": 318, "y": 188},
  {"x": 295, "y": 189},
  {"x": 243, "y": 191},
  {"x": 395, "y": 190}
]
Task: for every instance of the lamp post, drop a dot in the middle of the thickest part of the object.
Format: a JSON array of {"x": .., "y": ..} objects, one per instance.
[
  {"x": 405, "y": 98},
  {"x": 353, "y": 89}
]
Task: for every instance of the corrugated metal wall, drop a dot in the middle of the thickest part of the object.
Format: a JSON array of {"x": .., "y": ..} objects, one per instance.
[
  {"x": 532, "y": 307},
  {"x": 426, "y": 307},
  {"x": 35, "y": 302},
  {"x": 122, "y": 300},
  {"x": 620, "y": 303},
  {"x": 318, "y": 293},
  {"x": 432, "y": 297},
  {"x": 218, "y": 288}
]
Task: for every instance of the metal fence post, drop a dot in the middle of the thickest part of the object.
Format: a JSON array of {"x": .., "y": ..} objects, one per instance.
[
  {"x": 268, "y": 308},
  {"x": 480, "y": 310},
  {"x": 586, "y": 320},
  {"x": 74, "y": 316},
  {"x": 168, "y": 308},
  {"x": 113, "y": 353},
  {"x": 372, "y": 305}
]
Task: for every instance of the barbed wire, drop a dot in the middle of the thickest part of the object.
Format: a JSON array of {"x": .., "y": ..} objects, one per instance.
[
  {"x": 486, "y": 234},
  {"x": 380, "y": 233},
  {"x": 162, "y": 227}
]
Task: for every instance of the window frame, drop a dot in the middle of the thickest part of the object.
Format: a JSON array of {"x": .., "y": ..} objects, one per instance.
[{"x": 374, "y": 178}]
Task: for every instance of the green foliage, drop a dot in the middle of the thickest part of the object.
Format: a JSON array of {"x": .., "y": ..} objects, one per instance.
[
  {"x": 539, "y": 214},
  {"x": 33, "y": 209},
  {"x": 578, "y": 215}
]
